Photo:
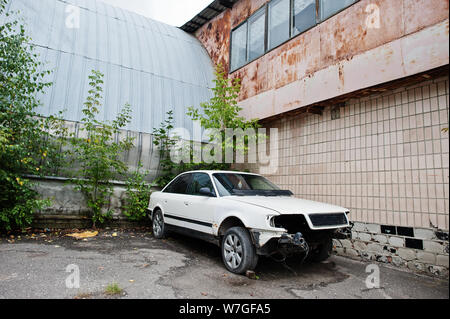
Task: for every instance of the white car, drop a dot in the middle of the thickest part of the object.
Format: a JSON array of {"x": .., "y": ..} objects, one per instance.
[{"x": 246, "y": 216}]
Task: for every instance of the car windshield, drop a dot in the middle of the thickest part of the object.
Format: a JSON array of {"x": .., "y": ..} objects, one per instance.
[{"x": 246, "y": 185}]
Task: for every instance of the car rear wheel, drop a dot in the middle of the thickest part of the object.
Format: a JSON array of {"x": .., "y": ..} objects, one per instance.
[
  {"x": 159, "y": 228},
  {"x": 238, "y": 252}
]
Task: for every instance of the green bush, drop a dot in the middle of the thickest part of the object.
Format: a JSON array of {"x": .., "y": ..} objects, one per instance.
[
  {"x": 99, "y": 155},
  {"x": 23, "y": 139},
  {"x": 137, "y": 196}
]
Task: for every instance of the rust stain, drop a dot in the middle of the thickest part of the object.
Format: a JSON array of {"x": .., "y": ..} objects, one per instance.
[
  {"x": 341, "y": 75},
  {"x": 335, "y": 40}
]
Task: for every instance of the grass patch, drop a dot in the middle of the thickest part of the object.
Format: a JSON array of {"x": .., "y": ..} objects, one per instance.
[{"x": 113, "y": 289}]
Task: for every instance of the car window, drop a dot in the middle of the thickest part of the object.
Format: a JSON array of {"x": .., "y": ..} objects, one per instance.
[
  {"x": 179, "y": 185},
  {"x": 199, "y": 180},
  {"x": 246, "y": 184}
]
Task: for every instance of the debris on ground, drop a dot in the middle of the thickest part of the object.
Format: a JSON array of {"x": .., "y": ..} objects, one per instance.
[
  {"x": 86, "y": 234},
  {"x": 251, "y": 275}
]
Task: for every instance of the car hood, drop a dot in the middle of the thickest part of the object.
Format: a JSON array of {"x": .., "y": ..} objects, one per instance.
[{"x": 289, "y": 205}]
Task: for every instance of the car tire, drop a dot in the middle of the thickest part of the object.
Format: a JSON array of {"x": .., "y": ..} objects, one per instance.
[
  {"x": 323, "y": 252},
  {"x": 238, "y": 251},
  {"x": 158, "y": 225}
]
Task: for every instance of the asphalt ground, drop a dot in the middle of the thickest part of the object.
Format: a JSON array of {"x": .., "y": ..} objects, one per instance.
[{"x": 43, "y": 265}]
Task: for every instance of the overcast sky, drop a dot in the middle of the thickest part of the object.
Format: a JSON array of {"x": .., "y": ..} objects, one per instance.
[{"x": 173, "y": 12}]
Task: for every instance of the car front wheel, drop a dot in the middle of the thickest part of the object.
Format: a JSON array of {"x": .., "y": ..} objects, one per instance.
[
  {"x": 238, "y": 252},
  {"x": 159, "y": 228}
]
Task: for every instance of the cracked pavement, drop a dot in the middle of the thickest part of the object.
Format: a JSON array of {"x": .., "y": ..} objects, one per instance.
[{"x": 183, "y": 267}]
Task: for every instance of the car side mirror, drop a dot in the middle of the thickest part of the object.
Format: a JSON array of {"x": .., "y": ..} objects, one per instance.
[{"x": 206, "y": 191}]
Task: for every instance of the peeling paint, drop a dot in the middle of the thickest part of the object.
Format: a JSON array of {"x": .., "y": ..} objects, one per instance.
[{"x": 333, "y": 46}]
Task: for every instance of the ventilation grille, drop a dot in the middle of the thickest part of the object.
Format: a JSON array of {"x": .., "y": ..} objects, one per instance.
[{"x": 336, "y": 219}]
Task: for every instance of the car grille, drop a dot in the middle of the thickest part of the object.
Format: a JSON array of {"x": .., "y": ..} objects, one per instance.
[{"x": 320, "y": 220}]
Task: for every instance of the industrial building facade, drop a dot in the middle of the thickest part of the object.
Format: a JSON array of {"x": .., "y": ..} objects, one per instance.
[{"x": 359, "y": 92}]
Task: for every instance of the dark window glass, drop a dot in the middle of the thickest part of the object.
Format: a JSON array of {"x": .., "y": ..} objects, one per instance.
[
  {"x": 278, "y": 22},
  {"x": 304, "y": 15},
  {"x": 331, "y": 7},
  {"x": 239, "y": 47},
  {"x": 228, "y": 182},
  {"x": 256, "y": 30},
  {"x": 200, "y": 180},
  {"x": 179, "y": 185}
]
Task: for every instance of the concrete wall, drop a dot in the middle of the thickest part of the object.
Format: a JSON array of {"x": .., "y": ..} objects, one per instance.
[
  {"x": 386, "y": 159},
  {"x": 419, "y": 249},
  {"x": 69, "y": 208},
  {"x": 338, "y": 56}
]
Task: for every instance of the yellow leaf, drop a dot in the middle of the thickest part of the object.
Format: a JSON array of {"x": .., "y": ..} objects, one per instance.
[{"x": 86, "y": 234}]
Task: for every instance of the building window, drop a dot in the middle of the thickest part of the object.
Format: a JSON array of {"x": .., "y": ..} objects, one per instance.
[
  {"x": 275, "y": 23},
  {"x": 331, "y": 7},
  {"x": 278, "y": 22},
  {"x": 304, "y": 15},
  {"x": 256, "y": 31},
  {"x": 239, "y": 47}
]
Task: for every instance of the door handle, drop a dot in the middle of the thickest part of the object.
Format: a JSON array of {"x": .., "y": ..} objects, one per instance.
[{"x": 186, "y": 203}]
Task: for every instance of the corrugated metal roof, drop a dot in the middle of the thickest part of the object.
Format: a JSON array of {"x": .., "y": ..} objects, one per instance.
[
  {"x": 151, "y": 65},
  {"x": 210, "y": 12}
]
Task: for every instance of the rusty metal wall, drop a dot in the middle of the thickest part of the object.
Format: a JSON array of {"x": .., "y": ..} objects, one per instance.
[{"x": 329, "y": 56}]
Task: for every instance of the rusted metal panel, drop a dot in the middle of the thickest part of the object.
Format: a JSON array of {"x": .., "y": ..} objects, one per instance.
[
  {"x": 215, "y": 37},
  {"x": 356, "y": 48},
  {"x": 422, "y": 13}
]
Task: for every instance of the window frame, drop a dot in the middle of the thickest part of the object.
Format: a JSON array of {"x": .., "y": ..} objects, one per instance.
[
  {"x": 210, "y": 180},
  {"x": 293, "y": 35},
  {"x": 318, "y": 8},
  {"x": 231, "y": 46},
  {"x": 265, "y": 7},
  {"x": 261, "y": 11},
  {"x": 189, "y": 175},
  {"x": 269, "y": 7}
]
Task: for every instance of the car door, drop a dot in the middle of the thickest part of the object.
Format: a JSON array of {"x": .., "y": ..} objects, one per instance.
[
  {"x": 173, "y": 199},
  {"x": 200, "y": 209}
]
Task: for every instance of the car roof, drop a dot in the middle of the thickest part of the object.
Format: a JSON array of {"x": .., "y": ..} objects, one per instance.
[{"x": 218, "y": 171}]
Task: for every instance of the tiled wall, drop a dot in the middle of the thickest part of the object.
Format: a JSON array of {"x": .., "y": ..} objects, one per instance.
[{"x": 386, "y": 158}]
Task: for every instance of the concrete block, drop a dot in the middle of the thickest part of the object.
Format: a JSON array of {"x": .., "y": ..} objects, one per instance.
[
  {"x": 397, "y": 241},
  {"x": 373, "y": 228},
  {"x": 434, "y": 247},
  {"x": 422, "y": 233},
  {"x": 376, "y": 248},
  {"x": 365, "y": 237},
  {"x": 382, "y": 239},
  {"x": 355, "y": 235},
  {"x": 359, "y": 245},
  {"x": 406, "y": 254},
  {"x": 442, "y": 260},
  {"x": 426, "y": 257},
  {"x": 359, "y": 227}
]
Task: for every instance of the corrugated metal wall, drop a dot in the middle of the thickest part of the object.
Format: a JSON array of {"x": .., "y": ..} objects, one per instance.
[{"x": 153, "y": 66}]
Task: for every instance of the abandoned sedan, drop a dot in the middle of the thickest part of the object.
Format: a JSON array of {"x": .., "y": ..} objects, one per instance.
[{"x": 246, "y": 216}]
